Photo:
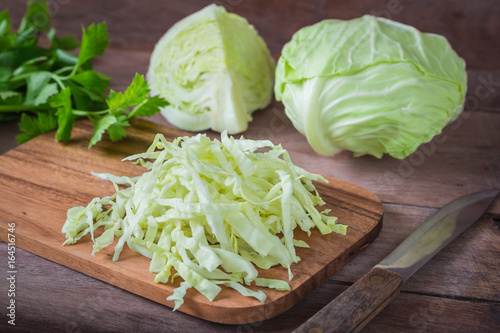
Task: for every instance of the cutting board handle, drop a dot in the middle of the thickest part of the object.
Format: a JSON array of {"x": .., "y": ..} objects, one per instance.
[{"x": 356, "y": 306}]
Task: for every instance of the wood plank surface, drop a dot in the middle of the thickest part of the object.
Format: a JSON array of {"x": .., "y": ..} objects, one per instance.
[
  {"x": 105, "y": 308},
  {"x": 358, "y": 305},
  {"x": 465, "y": 269},
  {"x": 42, "y": 179},
  {"x": 457, "y": 291}
]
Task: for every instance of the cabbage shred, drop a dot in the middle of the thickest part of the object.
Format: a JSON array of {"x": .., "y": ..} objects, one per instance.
[{"x": 210, "y": 211}]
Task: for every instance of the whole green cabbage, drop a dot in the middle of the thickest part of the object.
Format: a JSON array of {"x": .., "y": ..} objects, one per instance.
[
  {"x": 214, "y": 69},
  {"x": 369, "y": 85}
]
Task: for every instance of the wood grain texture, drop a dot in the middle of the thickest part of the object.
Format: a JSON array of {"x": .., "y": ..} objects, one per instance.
[
  {"x": 357, "y": 306},
  {"x": 42, "y": 179},
  {"x": 45, "y": 289},
  {"x": 465, "y": 269}
]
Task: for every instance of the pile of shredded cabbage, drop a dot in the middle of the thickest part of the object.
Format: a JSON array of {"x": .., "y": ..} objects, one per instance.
[{"x": 212, "y": 210}]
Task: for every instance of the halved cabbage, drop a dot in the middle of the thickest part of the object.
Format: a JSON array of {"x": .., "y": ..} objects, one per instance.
[
  {"x": 214, "y": 69},
  {"x": 369, "y": 85}
]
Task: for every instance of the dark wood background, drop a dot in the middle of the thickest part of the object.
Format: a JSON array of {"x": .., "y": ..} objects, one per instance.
[{"x": 457, "y": 291}]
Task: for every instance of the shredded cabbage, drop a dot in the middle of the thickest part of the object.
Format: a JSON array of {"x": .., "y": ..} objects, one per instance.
[{"x": 211, "y": 210}]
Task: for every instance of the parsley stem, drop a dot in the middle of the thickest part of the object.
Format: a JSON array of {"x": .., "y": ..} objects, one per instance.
[
  {"x": 20, "y": 77},
  {"x": 58, "y": 80},
  {"x": 62, "y": 70},
  {"x": 21, "y": 108},
  {"x": 89, "y": 113},
  {"x": 74, "y": 69},
  {"x": 33, "y": 108}
]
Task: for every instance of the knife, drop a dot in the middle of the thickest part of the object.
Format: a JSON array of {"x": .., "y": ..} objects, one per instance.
[{"x": 361, "y": 302}]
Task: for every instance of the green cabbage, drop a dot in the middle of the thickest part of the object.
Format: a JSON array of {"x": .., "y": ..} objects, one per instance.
[
  {"x": 212, "y": 210},
  {"x": 214, "y": 69},
  {"x": 369, "y": 85}
]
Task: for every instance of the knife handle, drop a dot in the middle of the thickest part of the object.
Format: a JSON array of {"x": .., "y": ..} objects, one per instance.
[{"x": 356, "y": 306}]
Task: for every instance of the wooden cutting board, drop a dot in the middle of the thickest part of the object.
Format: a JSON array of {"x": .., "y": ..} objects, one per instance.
[{"x": 40, "y": 180}]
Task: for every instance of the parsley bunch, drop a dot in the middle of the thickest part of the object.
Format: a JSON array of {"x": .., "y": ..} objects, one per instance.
[{"x": 50, "y": 87}]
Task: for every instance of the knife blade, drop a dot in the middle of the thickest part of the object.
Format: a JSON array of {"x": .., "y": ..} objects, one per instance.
[{"x": 361, "y": 302}]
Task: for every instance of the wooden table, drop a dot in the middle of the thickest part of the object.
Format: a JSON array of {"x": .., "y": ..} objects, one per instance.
[{"x": 457, "y": 291}]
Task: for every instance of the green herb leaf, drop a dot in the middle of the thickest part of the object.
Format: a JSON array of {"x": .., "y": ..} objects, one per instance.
[
  {"x": 46, "y": 92},
  {"x": 49, "y": 87},
  {"x": 116, "y": 131},
  {"x": 93, "y": 81},
  {"x": 37, "y": 17},
  {"x": 65, "y": 117},
  {"x": 149, "y": 107},
  {"x": 4, "y": 23},
  {"x": 94, "y": 42},
  {"x": 5, "y": 74},
  {"x": 100, "y": 126},
  {"x": 84, "y": 99},
  {"x": 137, "y": 91},
  {"x": 64, "y": 43},
  {"x": 11, "y": 98},
  {"x": 34, "y": 126},
  {"x": 39, "y": 89},
  {"x": 8, "y": 94},
  {"x": 119, "y": 103},
  {"x": 135, "y": 94}
]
